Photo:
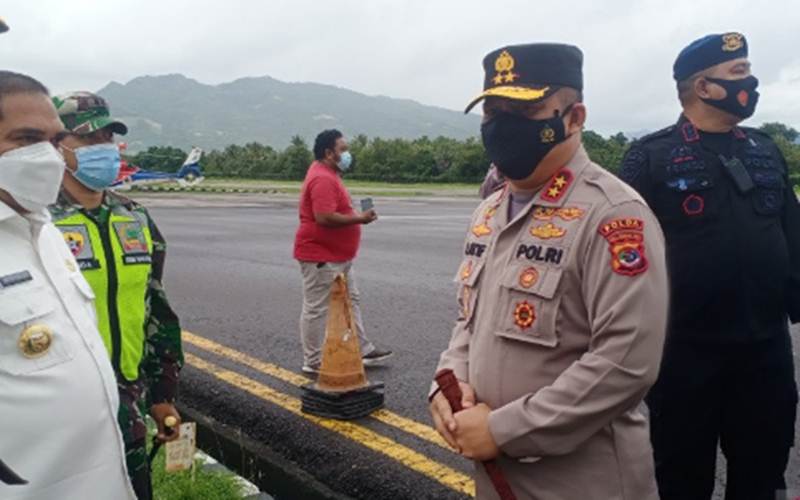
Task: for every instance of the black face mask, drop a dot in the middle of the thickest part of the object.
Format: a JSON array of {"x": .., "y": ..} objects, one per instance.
[
  {"x": 741, "y": 98},
  {"x": 516, "y": 145}
]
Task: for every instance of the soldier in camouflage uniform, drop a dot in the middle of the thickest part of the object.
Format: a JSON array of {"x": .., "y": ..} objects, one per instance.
[{"x": 121, "y": 253}]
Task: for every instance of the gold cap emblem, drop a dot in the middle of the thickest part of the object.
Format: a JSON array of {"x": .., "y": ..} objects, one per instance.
[
  {"x": 732, "y": 42},
  {"x": 547, "y": 135},
  {"x": 35, "y": 341},
  {"x": 504, "y": 66}
]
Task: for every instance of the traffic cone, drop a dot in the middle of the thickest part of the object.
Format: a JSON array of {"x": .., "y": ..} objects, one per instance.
[{"x": 342, "y": 390}]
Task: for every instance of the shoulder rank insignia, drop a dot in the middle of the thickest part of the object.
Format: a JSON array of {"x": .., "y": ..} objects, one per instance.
[
  {"x": 524, "y": 315},
  {"x": 548, "y": 231},
  {"x": 557, "y": 186},
  {"x": 35, "y": 341},
  {"x": 626, "y": 243},
  {"x": 528, "y": 277},
  {"x": 689, "y": 132}
]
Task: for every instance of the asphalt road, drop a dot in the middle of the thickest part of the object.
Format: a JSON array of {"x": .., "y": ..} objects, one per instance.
[{"x": 231, "y": 277}]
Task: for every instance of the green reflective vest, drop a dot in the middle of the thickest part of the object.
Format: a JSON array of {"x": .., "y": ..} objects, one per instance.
[{"x": 115, "y": 258}]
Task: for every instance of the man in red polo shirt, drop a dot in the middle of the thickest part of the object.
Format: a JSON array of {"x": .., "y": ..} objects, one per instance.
[{"x": 326, "y": 244}]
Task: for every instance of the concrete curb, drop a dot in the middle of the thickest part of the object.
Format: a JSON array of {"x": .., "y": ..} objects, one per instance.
[{"x": 267, "y": 470}]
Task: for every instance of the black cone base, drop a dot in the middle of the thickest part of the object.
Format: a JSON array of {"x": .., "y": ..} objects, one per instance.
[{"x": 342, "y": 405}]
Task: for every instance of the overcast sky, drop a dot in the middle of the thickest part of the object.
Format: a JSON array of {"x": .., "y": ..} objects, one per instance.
[{"x": 426, "y": 50}]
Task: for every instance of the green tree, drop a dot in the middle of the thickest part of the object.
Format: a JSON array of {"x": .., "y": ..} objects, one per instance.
[
  {"x": 295, "y": 159},
  {"x": 161, "y": 158}
]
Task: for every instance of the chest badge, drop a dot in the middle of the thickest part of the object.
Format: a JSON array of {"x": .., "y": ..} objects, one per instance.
[
  {"x": 35, "y": 341},
  {"x": 483, "y": 228},
  {"x": 694, "y": 205},
  {"x": 528, "y": 277},
  {"x": 524, "y": 315},
  {"x": 466, "y": 270},
  {"x": 548, "y": 231}
]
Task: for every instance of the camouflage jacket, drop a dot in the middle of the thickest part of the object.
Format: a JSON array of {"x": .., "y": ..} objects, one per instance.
[{"x": 163, "y": 355}]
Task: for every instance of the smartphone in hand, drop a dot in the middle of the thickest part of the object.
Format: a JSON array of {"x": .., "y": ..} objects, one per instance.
[{"x": 366, "y": 204}]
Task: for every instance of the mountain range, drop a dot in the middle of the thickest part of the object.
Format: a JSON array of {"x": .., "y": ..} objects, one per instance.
[{"x": 173, "y": 110}]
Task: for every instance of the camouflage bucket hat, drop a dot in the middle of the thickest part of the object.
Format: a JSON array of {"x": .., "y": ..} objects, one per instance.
[{"x": 83, "y": 113}]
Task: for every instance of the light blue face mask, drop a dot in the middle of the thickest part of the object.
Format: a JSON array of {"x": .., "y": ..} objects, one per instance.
[
  {"x": 346, "y": 161},
  {"x": 98, "y": 166}
]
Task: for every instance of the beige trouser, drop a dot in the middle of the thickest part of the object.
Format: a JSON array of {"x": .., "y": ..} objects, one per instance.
[{"x": 317, "y": 281}]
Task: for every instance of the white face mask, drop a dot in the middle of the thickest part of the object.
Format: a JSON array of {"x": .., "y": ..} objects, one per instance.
[{"x": 32, "y": 175}]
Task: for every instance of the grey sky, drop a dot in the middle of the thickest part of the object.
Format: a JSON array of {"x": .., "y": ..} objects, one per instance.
[{"x": 429, "y": 51}]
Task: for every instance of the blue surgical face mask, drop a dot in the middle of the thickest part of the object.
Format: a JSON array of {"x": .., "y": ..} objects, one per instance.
[
  {"x": 345, "y": 161},
  {"x": 98, "y": 166}
]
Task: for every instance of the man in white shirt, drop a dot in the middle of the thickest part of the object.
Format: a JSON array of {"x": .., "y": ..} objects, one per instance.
[{"x": 58, "y": 395}]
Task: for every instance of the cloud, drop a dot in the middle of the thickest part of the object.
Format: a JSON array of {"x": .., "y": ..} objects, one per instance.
[{"x": 423, "y": 50}]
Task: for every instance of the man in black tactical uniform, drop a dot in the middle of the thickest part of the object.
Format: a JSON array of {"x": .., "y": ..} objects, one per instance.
[{"x": 732, "y": 225}]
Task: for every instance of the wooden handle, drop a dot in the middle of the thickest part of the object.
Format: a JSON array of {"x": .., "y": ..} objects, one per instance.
[{"x": 448, "y": 384}]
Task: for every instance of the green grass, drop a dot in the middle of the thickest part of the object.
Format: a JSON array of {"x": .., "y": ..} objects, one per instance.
[
  {"x": 206, "y": 485},
  {"x": 356, "y": 187}
]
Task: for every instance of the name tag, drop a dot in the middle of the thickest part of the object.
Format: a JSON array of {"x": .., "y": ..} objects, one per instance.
[
  {"x": 15, "y": 279},
  {"x": 137, "y": 259}
]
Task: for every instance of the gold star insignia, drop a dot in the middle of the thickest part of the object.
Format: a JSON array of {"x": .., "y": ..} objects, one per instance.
[
  {"x": 553, "y": 192},
  {"x": 560, "y": 181}
]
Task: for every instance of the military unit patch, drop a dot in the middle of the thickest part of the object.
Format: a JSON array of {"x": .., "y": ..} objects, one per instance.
[
  {"x": 524, "y": 315},
  {"x": 626, "y": 243},
  {"x": 548, "y": 231},
  {"x": 77, "y": 239},
  {"x": 131, "y": 237},
  {"x": 558, "y": 186}
]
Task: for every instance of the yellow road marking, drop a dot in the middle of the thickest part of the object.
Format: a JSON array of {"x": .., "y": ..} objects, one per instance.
[
  {"x": 413, "y": 460},
  {"x": 387, "y": 417}
]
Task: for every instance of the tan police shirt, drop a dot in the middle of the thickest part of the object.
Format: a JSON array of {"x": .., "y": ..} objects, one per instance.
[
  {"x": 563, "y": 316},
  {"x": 58, "y": 393}
]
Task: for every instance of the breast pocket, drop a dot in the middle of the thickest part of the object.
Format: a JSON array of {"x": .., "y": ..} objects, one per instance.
[
  {"x": 768, "y": 196},
  {"x": 688, "y": 199},
  {"x": 32, "y": 337},
  {"x": 530, "y": 309}
]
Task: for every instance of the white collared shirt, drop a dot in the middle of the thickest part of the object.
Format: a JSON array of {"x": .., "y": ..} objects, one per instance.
[{"x": 58, "y": 411}]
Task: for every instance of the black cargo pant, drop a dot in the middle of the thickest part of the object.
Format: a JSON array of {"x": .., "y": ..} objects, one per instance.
[{"x": 740, "y": 395}]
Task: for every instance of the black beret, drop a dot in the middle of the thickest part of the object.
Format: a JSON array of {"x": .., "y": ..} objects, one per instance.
[
  {"x": 708, "y": 51},
  {"x": 531, "y": 72}
]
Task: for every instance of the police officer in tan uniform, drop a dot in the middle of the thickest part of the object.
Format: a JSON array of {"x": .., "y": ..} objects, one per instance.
[{"x": 562, "y": 296}]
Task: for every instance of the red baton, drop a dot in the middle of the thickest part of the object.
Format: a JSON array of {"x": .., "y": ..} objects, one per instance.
[{"x": 448, "y": 384}]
